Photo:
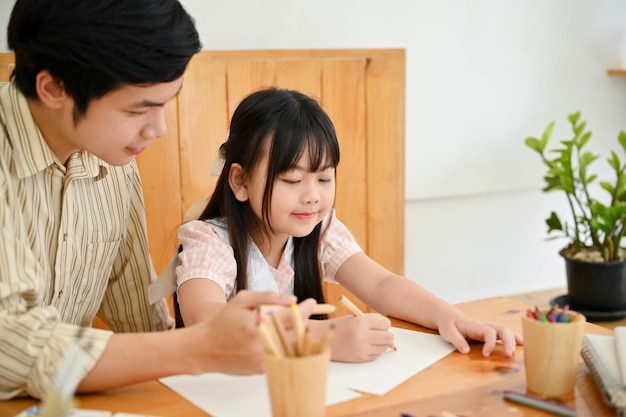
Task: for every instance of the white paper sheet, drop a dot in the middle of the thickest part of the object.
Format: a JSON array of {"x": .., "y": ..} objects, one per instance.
[
  {"x": 416, "y": 351},
  {"x": 233, "y": 396}
]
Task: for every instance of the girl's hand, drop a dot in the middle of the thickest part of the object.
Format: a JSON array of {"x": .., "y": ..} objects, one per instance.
[
  {"x": 360, "y": 339},
  {"x": 460, "y": 328}
]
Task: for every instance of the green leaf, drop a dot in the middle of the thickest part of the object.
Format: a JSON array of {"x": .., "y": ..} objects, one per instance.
[
  {"x": 586, "y": 159},
  {"x": 567, "y": 184},
  {"x": 607, "y": 186},
  {"x": 573, "y": 117},
  {"x": 596, "y": 224},
  {"x": 553, "y": 222},
  {"x": 621, "y": 138},
  {"x": 583, "y": 141},
  {"x": 552, "y": 183},
  {"x": 614, "y": 161},
  {"x": 534, "y": 144},
  {"x": 545, "y": 137},
  {"x": 580, "y": 128}
]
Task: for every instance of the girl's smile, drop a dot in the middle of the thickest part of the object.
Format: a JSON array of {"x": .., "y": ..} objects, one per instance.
[{"x": 305, "y": 216}]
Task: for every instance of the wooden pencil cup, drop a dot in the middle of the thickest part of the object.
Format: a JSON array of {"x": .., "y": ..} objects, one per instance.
[
  {"x": 552, "y": 354},
  {"x": 297, "y": 384}
]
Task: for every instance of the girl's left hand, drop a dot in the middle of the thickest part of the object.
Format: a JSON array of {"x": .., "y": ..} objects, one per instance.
[{"x": 458, "y": 329}]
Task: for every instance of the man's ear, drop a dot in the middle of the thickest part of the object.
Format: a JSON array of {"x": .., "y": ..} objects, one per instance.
[
  {"x": 237, "y": 183},
  {"x": 50, "y": 91}
]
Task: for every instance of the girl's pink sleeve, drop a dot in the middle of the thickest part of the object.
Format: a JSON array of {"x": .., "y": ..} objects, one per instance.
[
  {"x": 205, "y": 256},
  {"x": 336, "y": 246}
]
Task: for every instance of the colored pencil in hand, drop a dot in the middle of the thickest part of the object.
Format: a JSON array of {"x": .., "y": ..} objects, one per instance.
[
  {"x": 357, "y": 312},
  {"x": 318, "y": 309}
]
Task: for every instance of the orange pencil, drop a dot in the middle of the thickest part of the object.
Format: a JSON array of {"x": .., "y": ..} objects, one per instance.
[{"x": 357, "y": 312}]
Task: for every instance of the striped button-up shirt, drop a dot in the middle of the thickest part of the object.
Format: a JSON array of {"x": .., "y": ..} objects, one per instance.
[{"x": 73, "y": 246}]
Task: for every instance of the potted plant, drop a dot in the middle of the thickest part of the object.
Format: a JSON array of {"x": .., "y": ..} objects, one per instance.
[{"x": 594, "y": 258}]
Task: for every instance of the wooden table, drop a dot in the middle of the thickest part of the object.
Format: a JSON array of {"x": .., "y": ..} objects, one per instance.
[{"x": 465, "y": 385}]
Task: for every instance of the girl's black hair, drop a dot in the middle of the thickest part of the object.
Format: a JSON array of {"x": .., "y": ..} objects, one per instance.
[
  {"x": 94, "y": 47},
  {"x": 285, "y": 124}
]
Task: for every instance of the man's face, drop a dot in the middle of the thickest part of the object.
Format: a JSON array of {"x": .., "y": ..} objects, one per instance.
[{"x": 120, "y": 125}]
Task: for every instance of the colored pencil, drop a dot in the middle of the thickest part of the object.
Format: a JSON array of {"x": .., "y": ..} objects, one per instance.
[
  {"x": 271, "y": 344},
  {"x": 276, "y": 340},
  {"x": 282, "y": 335},
  {"x": 318, "y": 309},
  {"x": 325, "y": 341},
  {"x": 298, "y": 327}
]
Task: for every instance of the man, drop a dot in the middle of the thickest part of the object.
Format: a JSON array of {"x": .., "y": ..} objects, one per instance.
[{"x": 87, "y": 96}]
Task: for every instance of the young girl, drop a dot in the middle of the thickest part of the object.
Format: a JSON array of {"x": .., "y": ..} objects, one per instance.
[{"x": 270, "y": 225}]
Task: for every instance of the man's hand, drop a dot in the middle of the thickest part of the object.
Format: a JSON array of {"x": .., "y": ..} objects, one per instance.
[{"x": 230, "y": 342}]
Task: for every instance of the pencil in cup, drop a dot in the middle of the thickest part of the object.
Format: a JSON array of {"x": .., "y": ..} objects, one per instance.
[
  {"x": 357, "y": 312},
  {"x": 277, "y": 342},
  {"x": 297, "y": 385},
  {"x": 554, "y": 315},
  {"x": 552, "y": 350}
]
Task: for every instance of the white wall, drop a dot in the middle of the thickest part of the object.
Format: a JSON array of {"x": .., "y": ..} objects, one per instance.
[
  {"x": 5, "y": 11},
  {"x": 482, "y": 75}
]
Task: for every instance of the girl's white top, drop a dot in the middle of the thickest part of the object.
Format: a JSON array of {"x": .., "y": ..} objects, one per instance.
[{"x": 208, "y": 254}]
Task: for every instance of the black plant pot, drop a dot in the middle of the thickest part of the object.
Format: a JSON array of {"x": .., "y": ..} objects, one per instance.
[{"x": 596, "y": 286}]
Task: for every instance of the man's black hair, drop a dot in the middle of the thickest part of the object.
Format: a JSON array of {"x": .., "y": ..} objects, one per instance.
[{"x": 94, "y": 47}]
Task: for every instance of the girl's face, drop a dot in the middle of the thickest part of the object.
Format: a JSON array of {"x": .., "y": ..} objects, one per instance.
[{"x": 300, "y": 198}]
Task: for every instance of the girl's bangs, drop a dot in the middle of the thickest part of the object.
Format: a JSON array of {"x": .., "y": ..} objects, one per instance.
[{"x": 288, "y": 148}]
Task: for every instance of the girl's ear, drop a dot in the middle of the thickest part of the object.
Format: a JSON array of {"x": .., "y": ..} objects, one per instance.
[
  {"x": 50, "y": 91},
  {"x": 237, "y": 183}
]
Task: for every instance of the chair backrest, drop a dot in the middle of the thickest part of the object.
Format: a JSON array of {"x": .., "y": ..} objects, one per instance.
[{"x": 177, "y": 316}]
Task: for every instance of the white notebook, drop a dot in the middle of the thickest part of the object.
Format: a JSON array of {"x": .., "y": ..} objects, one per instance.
[
  {"x": 600, "y": 355},
  {"x": 620, "y": 348}
]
